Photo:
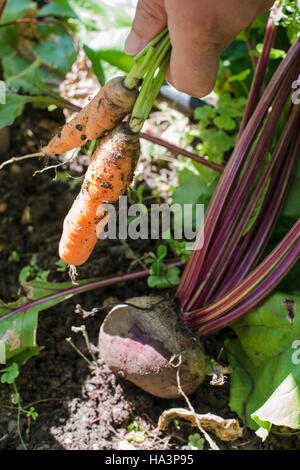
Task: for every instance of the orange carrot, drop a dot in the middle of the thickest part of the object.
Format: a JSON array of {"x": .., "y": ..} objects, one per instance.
[
  {"x": 111, "y": 104},
  {"x": 109, "y": 174}
]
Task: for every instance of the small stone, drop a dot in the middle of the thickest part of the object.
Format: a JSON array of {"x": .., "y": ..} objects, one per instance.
[
  {"x": 11, "y": 426},
  {"x": 90, "y": 388},
  {"x": 68, "y": 441},
  {"x": 3, "y": 207}
]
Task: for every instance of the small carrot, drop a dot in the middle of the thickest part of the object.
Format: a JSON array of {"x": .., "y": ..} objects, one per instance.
[
  {"x": 109, "y": 174},
  {"x": 110, "y": 105}
]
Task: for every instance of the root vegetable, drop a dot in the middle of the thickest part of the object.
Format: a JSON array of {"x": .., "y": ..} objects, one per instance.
[
  {"x": 109, "y": 174},
  {"x": 145, "y": 346},
  {"x": 111, "y": 104}
]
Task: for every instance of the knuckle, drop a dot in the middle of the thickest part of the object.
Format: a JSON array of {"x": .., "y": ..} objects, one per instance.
[{"x": 148, "y": 15}]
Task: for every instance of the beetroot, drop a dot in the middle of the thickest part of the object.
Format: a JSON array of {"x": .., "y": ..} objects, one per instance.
[{"x": 144, "y": 341}]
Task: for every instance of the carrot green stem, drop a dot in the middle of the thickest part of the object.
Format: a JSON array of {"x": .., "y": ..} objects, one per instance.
[
  {"x": 150, "y": 67},
  {"x": 143, "y": 60},
  {"x": 147, "y": 96}
]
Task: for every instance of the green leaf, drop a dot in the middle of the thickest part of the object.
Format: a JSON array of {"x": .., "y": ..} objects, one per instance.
[
  {"x": 15, "y": 9},
  {"x": 266, "y": 354},
  {"x": 240, "y": 77},
  {"x": 32, "y": 413},
  {"x": 117, "y": 58},
  {"x": 283, "y": 406},
  {"x": 274, "y": 53},
  {"x": 12, "y": 108},
  {"x": 19, "y": 331},
  {"x": 57, "y": 52},
  {"x": 161, "y": 252},
  {"x": 192, "y": 187},
  {"x": 20, "y": 75},
  {"x": 10, "y": 373},
  {"x": 163, "y": 281},
  {"x": 204, "y": 112},
  {"x": 225, "y": 122},
  {"x": 96, "y": 64}
]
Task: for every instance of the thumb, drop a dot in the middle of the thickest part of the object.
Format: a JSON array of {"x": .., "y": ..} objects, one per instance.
[{"x": 150, "y": 18}]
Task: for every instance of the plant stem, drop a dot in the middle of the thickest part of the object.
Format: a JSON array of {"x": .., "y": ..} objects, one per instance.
[
  {"x": 151, "y": 85},
  {"x": 20, "y": 409},
  {"x": 2, "y": 7},
  {"x": 225, "y": 240},
  {"x": 78, "y": 351},
  {"x": 104, "y": 282},
  {"x": 260, "y": 70},
  {"x": 290, "y": 245},
  {"x": 180, "y": 151},
  {"x": 257, "y": 295},
  {"x": 230, "y": 176},
  {"x": 146, "y": 54}
]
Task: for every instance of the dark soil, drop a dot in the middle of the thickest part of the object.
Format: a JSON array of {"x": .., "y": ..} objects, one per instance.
[{"x": 80, "y": 407}]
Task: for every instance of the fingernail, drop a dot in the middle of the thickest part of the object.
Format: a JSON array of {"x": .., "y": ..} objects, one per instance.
[{"x": 133, "y": 44}]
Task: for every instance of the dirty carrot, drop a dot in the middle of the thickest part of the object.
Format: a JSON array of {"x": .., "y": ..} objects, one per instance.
[
  {"x": 110, "y": 105},
  {"x": 112, "y": 166},
  {"x": 110, "y": 172}
]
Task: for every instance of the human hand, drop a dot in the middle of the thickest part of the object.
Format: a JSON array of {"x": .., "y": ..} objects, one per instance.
[{"x": 199, "y": 31}]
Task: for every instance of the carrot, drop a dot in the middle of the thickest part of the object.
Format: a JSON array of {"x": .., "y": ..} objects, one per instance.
[
  {"x": 110, "y": 172},
  {"x": 111, "y": 104}
]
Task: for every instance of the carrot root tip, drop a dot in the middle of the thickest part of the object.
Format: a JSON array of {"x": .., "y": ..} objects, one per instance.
[{"x": 73, "y": 274}]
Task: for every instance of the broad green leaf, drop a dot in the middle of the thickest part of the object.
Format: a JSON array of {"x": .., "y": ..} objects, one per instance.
[
  {"x": 57, "y": 52},
  {"x": 12, "y": 108},
  {"x": 8, "y": 40},
  {"x": 19, "y": 331},
  {"x": 266, "y": 354},
  {"x": 217, "y": 143},
  {"x": 192, "y": 188},
  {"x": 283, "y": 406},
  {"x": 20, "y": 75}
]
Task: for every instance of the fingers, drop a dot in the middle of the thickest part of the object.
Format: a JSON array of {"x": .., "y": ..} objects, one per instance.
[
  {"x": 195, "y": 51},
  {"x": 150, "y": 18},
  {"x": 199, "y": 31}
]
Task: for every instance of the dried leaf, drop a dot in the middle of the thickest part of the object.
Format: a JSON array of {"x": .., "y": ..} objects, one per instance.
[
  {"x": 12, "y": 338},
  {"x": 224, "y": 429}
]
